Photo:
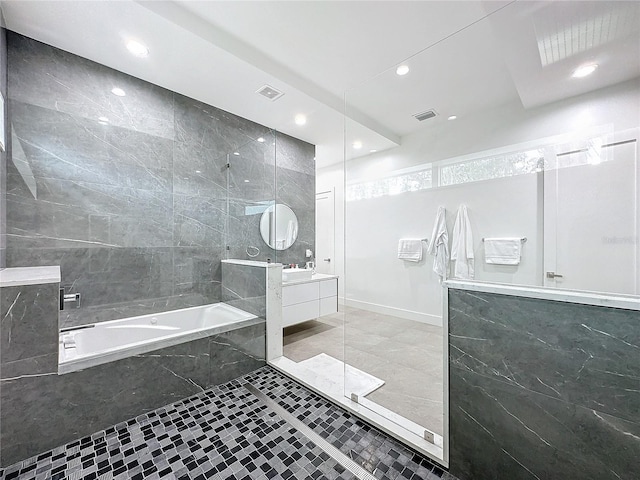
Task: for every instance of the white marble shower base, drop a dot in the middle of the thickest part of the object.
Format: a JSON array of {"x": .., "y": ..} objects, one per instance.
[{"x": 355, "y": 381}]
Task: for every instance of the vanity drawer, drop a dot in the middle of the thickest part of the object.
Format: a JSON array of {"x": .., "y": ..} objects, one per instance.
[
  {"x": 329, "y": 288},
  {"x": 305, "y": 292},
  {"x": 300, "y": 312},
  {"x": 328, "y": 305}
]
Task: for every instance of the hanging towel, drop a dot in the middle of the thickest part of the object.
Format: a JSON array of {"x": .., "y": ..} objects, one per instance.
[
  {"x": 439, "y": 246},
  {"x": 462, "y": 245},
  {"x": 410, "y": 249},
  {"x": 502, "y": 251}
]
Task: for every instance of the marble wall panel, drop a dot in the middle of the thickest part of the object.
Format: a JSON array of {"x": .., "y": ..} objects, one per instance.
[
  {"x": 57, "y": 80},
  {"x": 139, "y": 189},
  {"x": 245, "y": 287},
  {"x": 542, "y": 389},
  {"x": 236, "y": 352},
  {"x": 28, "y": 321}
]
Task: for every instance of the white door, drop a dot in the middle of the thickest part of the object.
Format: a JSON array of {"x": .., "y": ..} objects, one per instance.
[
  {"x": 325, "y": 232},
  {"x": 591, "y": 218}
]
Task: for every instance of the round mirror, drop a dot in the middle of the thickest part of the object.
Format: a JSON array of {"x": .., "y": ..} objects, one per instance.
[{"x": 279, "y": 226}]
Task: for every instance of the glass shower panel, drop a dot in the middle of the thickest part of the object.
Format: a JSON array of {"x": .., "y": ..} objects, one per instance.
[{"x": 251, "y": 187}]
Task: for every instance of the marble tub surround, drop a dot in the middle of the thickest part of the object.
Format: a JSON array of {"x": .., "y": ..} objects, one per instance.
[
  {"x": 23, "y": 276},
  {"x": 542, "y": 388},
  {"x": 244, "y": 285},
  {"x": 41, "y": 409},
  {"x": 138, "y": 209}
]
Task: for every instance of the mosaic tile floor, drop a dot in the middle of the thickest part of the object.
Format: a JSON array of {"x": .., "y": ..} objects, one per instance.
[{"x": 226, "y": 432}]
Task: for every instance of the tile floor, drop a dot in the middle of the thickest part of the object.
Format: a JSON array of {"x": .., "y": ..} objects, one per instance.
[
  {"x": 407, "y": 355},
  {"x": 226, "y": 432}
]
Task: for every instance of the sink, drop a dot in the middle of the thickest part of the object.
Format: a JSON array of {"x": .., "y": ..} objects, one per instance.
[{"x": 293, "y": 274}]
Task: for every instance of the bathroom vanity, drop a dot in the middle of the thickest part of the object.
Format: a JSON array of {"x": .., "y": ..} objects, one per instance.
[{"x": 308, "y": 298}]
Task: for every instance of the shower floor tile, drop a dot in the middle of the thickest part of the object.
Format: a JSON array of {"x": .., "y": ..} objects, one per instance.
[{"x": 227, "y": 432}]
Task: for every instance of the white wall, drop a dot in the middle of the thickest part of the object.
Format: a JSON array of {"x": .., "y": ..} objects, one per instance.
[{"x": 375, "y": 279}]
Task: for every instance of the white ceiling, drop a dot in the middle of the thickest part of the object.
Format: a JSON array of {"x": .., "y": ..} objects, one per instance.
[{"x": 221, "y": 52}]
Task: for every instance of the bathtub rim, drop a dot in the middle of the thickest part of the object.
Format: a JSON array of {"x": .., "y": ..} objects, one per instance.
[{"x": 146, "y": 346}]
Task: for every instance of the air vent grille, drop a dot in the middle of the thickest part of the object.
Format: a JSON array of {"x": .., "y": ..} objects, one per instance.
[
  {"x": 269, "y": 92},
  {"x": 425, "y": 115}
]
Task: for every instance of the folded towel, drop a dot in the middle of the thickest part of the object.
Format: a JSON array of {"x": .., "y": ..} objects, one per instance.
[
  {"x": 439, "y": 246},
  {"x": 462, "y": 246},
  {"x": 410, "y": 249},
  {"x": 502, "y": 251}
]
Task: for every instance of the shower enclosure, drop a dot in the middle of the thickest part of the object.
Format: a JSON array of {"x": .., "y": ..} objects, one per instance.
[{"x": 537, "y": 156}]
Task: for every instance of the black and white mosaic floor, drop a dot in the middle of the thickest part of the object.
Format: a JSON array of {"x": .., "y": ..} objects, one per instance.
[{"x": 227, "y": 432}]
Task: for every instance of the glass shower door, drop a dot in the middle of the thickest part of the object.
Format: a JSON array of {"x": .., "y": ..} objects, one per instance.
[{"x": 591, "y": 216}]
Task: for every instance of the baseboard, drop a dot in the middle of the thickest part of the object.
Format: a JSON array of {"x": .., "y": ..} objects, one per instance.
[{"x": 396, "y": 312}]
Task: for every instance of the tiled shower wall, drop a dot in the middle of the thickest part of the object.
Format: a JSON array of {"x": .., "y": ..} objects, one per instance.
[
  {"x": 542, "y": 389},
  {"x": 131, "y": 195}
]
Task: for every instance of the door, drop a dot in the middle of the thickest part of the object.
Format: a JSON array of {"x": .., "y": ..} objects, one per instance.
[
  {"x": 325, "y": 232},
  {"x": 591, "y": 217}
]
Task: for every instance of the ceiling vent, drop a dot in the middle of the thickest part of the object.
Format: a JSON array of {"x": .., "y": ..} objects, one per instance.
[
  {"x": 269, "y": 92},
  {"x": 425, "y": 115}
]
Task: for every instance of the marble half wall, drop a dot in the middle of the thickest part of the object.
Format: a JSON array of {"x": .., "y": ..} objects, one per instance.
[
  {"x": 542, "y": 389},
  {"x": 138, "y": 197}
]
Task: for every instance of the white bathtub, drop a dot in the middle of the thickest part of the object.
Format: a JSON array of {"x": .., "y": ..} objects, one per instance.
[{"x": 105, "y": 342}]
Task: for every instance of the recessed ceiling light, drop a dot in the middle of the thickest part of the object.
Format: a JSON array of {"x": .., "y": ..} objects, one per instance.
[
  {"x": 261, "y": 140},
  {"x": 137, "y": 48},
  {"x": 300, "y": 119},
  {"x": 236, "y": 154},
  {"x": 402, "y": 70},
  {"x": 452, "y": 117},
  {"x": 103, "y": 120},
  {"x": 357, "y": 145},
  {"x": 118, "y": 92},
  {"x": 584, "y": 70},
  {"x": 373, "y": 151}
]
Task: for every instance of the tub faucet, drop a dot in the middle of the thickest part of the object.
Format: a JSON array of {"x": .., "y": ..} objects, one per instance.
[{"x": 69, "y": 298}]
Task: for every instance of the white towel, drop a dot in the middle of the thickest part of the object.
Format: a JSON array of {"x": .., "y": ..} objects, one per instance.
[
  {"x": 439, "y": 246},
  {"x": 410, "y": 249},
  {"x": 502, "y": 251},
  {"x": 462, "y": 246}
]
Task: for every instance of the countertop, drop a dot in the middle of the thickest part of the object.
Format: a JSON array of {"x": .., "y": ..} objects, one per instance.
[
  {"x": 316, "y": 277},
  {"x": 18, "y": 276}
]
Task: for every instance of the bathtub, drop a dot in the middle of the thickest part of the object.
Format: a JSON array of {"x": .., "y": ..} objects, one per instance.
[{"x": 104, "y": 342}]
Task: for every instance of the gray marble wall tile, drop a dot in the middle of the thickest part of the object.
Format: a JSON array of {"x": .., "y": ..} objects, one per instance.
[
  {"x": 74, "y": 214},
  {"x": 199, "y": 221},
  {"x": 199, "y": 171},
  {"x": 542, "y": 389},
  {"x": 67, "y": 147},
  {"x": 237, "y": 352},
  {"x": 197, "y": 123},
  {"x": 118, "y": 203},
  {"x": 52, "y": 78},
  {"x": 294, "y": 154},
  {"x": 28, "y": 321}
]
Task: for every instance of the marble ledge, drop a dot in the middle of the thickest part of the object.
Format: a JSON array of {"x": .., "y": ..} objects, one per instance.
[
  {"x": 626, "y": 302},
  {"x": 20, "y": 276},
  {"x": 316, "y": 277},
  {"x": 252, "y": 263}
]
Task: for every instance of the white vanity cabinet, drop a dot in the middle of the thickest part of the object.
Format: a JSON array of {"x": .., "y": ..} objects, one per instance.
[{"x": 308, "y": 299}]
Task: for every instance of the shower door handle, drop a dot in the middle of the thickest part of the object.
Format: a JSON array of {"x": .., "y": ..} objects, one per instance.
[{"x": 552, "y": 275}]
